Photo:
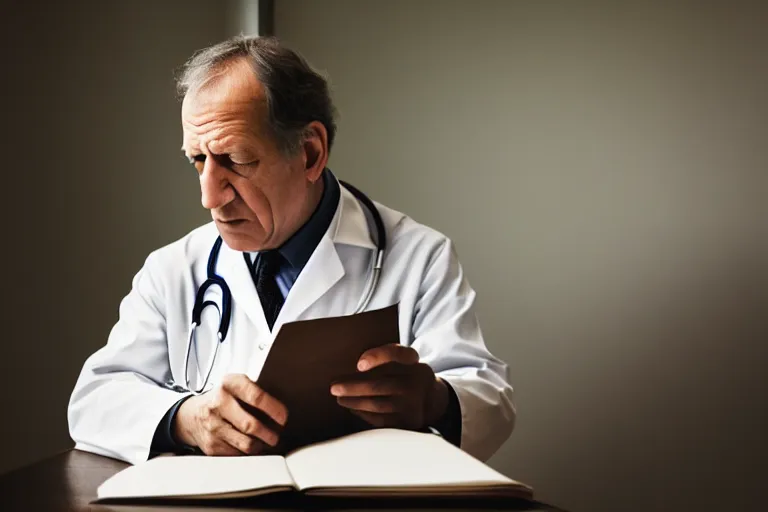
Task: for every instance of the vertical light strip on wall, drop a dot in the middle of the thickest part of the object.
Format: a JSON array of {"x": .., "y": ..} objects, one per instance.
[{"x": 251, "y": 17}]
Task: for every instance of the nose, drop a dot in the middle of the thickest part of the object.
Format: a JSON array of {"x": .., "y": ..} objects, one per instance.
[{"x": 215, "y": 189}]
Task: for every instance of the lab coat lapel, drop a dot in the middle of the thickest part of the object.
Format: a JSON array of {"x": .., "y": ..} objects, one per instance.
[
  {"x": 234, "y": 270},
  {"x": 325, "y": 268},
  {"x": 322, "y": 271},
  {"x": 350, "y": 226}
]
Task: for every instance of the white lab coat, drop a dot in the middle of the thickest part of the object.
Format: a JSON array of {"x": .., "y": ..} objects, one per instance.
[{"x": 119, "y": 398}]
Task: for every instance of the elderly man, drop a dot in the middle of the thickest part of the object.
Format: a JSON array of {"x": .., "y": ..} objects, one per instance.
[{"x": 290, "y": 243}]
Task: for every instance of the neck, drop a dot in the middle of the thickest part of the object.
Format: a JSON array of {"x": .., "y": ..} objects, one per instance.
[
  {"x": 308, "y": 207},
  {"x": 313, "y": 200}
]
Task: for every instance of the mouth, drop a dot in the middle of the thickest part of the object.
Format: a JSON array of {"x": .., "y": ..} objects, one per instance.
[{"x": 231, "y": 222}]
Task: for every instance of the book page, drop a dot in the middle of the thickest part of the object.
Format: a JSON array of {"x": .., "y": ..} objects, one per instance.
[
  {"x": 391, "y": 459},
  {"x": 199, "y": 477}
]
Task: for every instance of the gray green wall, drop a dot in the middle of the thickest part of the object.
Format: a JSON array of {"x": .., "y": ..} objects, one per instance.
[{"x": 603, "y": 170}]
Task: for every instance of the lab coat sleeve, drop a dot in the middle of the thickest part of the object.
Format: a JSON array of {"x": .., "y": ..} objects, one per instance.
[
  {"x": 118, "y": 400},
  {"x": 448, "y": 337}
]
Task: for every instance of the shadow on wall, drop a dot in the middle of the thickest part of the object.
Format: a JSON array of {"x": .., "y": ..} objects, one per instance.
[{"x": 93, "y": 135}]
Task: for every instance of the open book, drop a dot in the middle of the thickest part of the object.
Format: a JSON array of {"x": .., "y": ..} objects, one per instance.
[{"x": 375, "y": 463}]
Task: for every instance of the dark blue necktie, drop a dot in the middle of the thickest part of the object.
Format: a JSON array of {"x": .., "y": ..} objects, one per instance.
[{"x": 264, "y": 274}]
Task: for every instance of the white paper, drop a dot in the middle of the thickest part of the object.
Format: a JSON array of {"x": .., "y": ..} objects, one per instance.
[
  {"x": 390, "y": 458},
  {"x": 197, "y": 476}
]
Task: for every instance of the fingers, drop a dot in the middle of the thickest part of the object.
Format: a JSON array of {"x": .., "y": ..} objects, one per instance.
[
  {"x": 399, "y": 419},
  {"x": 219, "y": 422},
  {"x": 392, "y": 353},
  {"x": 225, "y": 440},
  {"x": 397, "y": 379},
  {"x": 242, "y": 388},
  {"x": 392, "y": 394},
  {"x": 378, "y": 419},
  {"x": 244, "y": 444},
  {"x": 377, "y": 404},
  {"x": 232, "y": 412},
  {"x": 219, "y": 448},
  {"x": 384, "y": 386}
]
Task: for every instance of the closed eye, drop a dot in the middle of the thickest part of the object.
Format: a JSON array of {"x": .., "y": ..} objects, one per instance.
[
  {"x": 198, "y": 161},
  {"x": 254, "y": 162}
]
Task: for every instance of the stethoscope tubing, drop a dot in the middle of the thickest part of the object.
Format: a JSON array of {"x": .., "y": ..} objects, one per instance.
[{"x": 225, "y": 312}]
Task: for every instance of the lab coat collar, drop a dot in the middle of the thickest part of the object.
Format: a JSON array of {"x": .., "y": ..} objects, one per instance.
[
  {"x": 323, "y": 269},
  {"x": 350, "y": 225}
]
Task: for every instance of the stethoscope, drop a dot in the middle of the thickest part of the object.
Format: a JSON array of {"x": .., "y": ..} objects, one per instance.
[{"x": 225, "y": 311}]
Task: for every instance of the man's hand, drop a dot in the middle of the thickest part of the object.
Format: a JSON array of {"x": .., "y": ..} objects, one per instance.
[
  {"x": 218, "y": 423},
  {"x": 393, "y": 389}
]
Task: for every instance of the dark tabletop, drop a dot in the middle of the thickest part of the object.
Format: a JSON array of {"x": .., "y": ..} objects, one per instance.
[{"x": 68, "y": 482}]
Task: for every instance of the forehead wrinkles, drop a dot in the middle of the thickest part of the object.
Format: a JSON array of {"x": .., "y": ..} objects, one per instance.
[
  {"x": 217, "y": 128},
  {"x": 229, "y": 108}
]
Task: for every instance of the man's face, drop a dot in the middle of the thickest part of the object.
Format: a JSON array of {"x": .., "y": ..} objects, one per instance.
[{"x": 256, "y": 194}]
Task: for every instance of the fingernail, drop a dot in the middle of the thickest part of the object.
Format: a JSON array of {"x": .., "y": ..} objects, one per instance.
[
  {"x": 336, "y": 389},
  {"x": 363, "y": 365}
]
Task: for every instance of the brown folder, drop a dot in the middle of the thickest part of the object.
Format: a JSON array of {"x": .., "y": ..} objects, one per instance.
[{"x": 307, "y": 357}]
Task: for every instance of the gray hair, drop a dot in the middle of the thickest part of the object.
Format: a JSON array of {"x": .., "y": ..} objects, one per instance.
[{"x": 295, "y": 94}]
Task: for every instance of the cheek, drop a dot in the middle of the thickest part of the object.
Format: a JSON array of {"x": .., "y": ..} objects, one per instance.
[
  {"x": 272, "y": 192},
  {"x": 259, "y": 201}
]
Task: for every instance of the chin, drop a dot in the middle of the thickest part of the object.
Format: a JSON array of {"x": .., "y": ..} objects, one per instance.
[{"x": 241, "y": 242}]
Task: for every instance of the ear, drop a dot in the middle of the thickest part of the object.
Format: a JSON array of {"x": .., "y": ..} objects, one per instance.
[{"x": 315, "y": 150}]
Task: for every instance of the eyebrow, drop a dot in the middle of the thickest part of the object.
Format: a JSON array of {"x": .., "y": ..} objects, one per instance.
[
  {"x": 192, "y": 154},
  {"x": 183, "y": 150}
]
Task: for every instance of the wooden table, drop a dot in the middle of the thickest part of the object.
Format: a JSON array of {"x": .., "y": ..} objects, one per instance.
[{"x": 68, "y": 482}]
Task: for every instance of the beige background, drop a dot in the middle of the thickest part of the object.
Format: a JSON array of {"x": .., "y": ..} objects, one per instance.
[{"x": 601, "y": 168}]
